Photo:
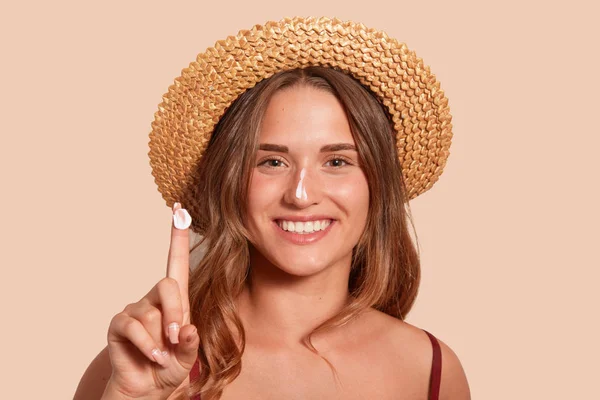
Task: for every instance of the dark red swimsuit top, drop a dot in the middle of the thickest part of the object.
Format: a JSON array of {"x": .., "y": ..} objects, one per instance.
[{"x": 434, "y": 379}]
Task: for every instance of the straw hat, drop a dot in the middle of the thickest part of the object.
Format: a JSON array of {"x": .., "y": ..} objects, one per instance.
[{"x": 192, "y": 106}]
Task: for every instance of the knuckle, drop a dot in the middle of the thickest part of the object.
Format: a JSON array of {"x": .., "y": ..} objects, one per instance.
[
  {"x": 115, "y": 322},
  {"x": 167, "y": 284},
  {"x": 142, "y": 304},
  {"x": 121, "y": 325},
  {"x": 129, "y": 308},
  {"x": 168, "y": 288},
  {"x": 150, "y": 316},
  {"x": 129, "y": 326}
]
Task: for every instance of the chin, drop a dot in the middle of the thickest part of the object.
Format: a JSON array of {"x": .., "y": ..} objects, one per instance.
[
  {"x": 297, "y": 260},
  {"x": 303, "y": 270},
  {"x": 299, "y": 263}
]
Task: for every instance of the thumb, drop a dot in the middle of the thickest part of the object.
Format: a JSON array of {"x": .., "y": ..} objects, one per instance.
[{"x": 187, "y": 349}]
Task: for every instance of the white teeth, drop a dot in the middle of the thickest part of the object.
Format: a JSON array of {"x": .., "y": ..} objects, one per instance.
[
  {"x": 304, "y": 227},
  {"x": 308, "y": 227}
]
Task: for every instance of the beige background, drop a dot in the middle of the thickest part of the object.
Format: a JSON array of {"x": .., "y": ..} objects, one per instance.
[{"x": 508, "y": 235}]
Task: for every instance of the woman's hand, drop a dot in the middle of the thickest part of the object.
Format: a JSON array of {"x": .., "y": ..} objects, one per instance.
[{"x": 151, "y": 343}]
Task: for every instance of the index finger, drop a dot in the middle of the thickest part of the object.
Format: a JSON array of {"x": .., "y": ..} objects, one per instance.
[{"x": 178, "y": 264}]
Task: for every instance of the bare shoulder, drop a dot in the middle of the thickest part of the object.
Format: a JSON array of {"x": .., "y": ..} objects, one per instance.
[
  {"x": 403, "y": 340},
  {"x": 414, "y": 344},
  {"x": 454, "y": 385}
]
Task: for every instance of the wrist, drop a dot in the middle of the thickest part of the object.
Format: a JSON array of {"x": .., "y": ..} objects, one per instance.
[{"x": 113, "y": 392}]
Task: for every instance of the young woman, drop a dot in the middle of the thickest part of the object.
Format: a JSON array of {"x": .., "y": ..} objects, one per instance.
[{"x": 309, "y": 271}]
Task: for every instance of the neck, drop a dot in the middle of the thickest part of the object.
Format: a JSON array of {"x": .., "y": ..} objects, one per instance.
[{"x": 282, "y": 309}]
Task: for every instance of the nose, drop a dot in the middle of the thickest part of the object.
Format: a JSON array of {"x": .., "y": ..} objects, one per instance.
[{"x": 303, "y": 188}]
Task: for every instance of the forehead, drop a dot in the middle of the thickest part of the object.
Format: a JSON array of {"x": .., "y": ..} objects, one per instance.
[{"x": 304, "y": 115}]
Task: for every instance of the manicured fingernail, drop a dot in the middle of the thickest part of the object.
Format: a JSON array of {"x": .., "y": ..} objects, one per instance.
[
  {"x": 159, "y": 357},
  {"x": 182, "y": 219},
  {"x": 176, "y": 207},
  {"x": 174, "y": 332}
]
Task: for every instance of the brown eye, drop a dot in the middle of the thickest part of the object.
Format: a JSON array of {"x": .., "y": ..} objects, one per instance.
[
  {"x": 271, "y": 163},
  {"x": 338, "y": 162}
]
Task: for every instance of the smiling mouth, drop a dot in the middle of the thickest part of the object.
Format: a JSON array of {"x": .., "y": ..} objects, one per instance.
[
  {"x": 304, "y": 237},
  {"x": 304, "y": 228}
]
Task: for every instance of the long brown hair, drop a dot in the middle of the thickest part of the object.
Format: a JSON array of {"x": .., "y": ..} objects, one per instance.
[{"x": 385, "y": 271}]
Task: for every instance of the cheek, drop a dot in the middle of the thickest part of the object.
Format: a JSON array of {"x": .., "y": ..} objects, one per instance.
[
  {"x": 262, "y": 191},
  {"x": 353, "y": 195}
]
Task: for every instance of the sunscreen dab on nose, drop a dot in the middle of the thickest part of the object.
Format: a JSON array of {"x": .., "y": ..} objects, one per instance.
[{"x": 301, "y": 189}]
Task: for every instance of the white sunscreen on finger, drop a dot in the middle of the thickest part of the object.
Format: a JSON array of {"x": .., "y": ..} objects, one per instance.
[
  {"x": 182, "y": 219},
  {"x": 300, "y": 188}
]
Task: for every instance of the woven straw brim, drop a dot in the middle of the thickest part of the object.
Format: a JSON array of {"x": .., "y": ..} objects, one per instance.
[{"x": 196, "y": 101}]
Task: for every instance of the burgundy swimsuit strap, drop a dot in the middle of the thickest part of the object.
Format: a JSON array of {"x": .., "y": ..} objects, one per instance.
[
  {"x": 194, "y": 374},
  {"x": 434, "y": 380},
  {"x": 436, "y": 368}
]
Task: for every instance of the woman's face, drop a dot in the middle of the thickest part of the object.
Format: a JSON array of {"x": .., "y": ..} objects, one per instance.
[{"x": 306, "y": 177}]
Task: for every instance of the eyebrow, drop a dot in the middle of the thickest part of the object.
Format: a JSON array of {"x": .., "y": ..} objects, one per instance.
[{"x": 327, "y": 148}]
